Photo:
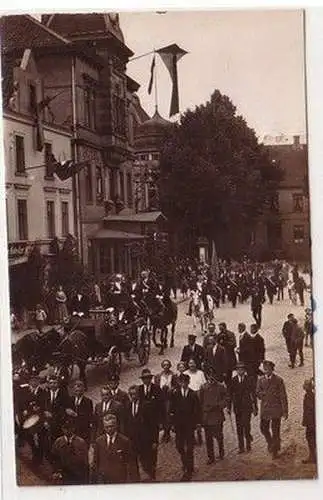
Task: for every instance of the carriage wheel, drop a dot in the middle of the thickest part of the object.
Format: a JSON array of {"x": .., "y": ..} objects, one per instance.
[
  {"x": 115, "y": 361},
  {"x": 144, "y": 346}
]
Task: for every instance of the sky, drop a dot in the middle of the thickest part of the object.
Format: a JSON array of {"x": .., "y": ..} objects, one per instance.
[{"x": 254, "y": 57}]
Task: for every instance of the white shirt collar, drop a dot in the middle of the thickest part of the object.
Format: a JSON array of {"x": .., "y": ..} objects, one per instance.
[{"x": 111, "y": 439}]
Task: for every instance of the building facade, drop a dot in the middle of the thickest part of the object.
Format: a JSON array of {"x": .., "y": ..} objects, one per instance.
[
  {"x": 286, "y": 232},
  {"x": 39, "y": 206}
]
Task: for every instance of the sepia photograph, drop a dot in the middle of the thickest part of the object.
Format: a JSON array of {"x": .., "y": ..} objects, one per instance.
[{"x": 159, "y": 246}]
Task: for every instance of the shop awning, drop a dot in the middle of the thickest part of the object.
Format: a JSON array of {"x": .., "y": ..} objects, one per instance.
[
  {"x": 111, "y": 234},
  {"x": 140, "y": 217}
]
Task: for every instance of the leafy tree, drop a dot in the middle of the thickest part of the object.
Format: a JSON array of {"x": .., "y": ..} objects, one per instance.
[{"x": 215, "y": 179}]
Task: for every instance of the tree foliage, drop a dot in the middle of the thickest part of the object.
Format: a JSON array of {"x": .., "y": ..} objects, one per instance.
[{"x": 215, "y": 178}]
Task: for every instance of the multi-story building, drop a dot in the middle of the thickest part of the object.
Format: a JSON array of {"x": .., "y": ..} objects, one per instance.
[
  {"x": 287, "y": 229},
  {"x": 39, "y": 205},
  {"x": 84, "y": 77}
]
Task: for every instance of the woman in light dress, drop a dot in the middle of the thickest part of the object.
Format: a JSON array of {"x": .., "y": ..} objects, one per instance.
[{"x": 61, "y": 300}]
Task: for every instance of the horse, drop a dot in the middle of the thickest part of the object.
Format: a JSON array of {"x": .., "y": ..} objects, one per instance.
[
  {"x": 35, "y": 350},
  {"x": 162, "y": 313},
  {"x": 201, "y": 314}
]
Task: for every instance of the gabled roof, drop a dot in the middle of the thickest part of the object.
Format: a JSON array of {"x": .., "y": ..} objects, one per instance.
[{"x": 23, "y": 31}]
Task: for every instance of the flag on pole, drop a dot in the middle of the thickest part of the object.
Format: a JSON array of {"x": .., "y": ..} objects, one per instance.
[
  {"x": 66, "y": 169},
  {"x": 152, "y": 71},
  {"x": 214, "y": 262},
  {"x": 170, "y": 56}
]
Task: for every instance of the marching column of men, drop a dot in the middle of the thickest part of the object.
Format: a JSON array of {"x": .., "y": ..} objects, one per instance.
[{"x": 107, "y": 443}]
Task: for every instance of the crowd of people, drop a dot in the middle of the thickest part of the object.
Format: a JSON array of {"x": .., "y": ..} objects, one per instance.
[
  {"x": 105, "y": 443},
  {"x": 231, "y": 282}
]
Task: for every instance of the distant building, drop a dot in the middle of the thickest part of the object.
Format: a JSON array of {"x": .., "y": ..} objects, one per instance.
[
  {"x": 286, "y": 232},
  {"x": 39, "y": 205},
  {"x": 148, "y": 140}
]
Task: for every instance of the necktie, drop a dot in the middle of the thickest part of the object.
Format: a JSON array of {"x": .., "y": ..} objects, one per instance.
[
  {"x": 52, "y": 398},
  {"x": 133, "y": 409},
  {"x": 108, "y": 441}
]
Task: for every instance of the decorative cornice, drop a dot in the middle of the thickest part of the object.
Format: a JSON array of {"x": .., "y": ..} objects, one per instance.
[
  {"x": 64, "y": 191},
  {"x": 50, "y": 189}
]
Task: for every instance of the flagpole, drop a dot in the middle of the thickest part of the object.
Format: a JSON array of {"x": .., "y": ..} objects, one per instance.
[
  {"x": 156, "y": 88},
  {"x": 142, "y": 55}
]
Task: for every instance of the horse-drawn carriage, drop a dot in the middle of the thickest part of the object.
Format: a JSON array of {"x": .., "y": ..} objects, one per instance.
[{"x": 82, "y": 342}]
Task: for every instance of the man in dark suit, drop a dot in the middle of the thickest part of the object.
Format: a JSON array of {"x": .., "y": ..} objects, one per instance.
[
  {"x": 193, "y": 351},
  {"x": 186, "y": 417},
  {"x": 113, "y": 459},
  {"x": 213, "y": 398},
  {"x": 53, "y": 402},
  {"x": 228, "y": 340},
  {"x": 117, "y": 394},
  {"x": 70, "y": 456},
  {"x": 308, "y": 421},
  {"x": 81, "y": 408},
  {"x": 244, "y": 402},
  {"x": 153, "y": 416},
  {"x": 107, "y": 405},
  {"x": 215, "y": 359},
  {"x": 80, "y": 305},
  {"x": 287, "y": 330},
  {"x": 134, "y": 422},
  {"x": 274, "y": 405},
  {"x": 252, "y": 352},
  {"x": 257, "y": 299}
]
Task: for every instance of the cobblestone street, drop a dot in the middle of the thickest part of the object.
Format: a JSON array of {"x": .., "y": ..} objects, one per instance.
[{"x": 255, "y": 465}]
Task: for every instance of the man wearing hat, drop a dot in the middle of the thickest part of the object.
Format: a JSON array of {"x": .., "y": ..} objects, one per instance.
[
  {"x": 244, "y": 402},
  {"x": 193, "y": 351},
  {"x": 70, "y": 456},
  {"x": 274, "y": 405},
  {"x": 185, "y": 413},
  {"x": 213, "y": 398},
  {"x": 153, "y": 415},
  {"x": 114, "y": 460}
]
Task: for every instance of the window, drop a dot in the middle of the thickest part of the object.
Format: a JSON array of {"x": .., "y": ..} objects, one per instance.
[
  {"x": 121, "y": 179},
  {"x": 112, "y": 184},
  {"x": 88, "y": 184},
  {"x": 119, "y": 115},
  {"x": 22, "y": 219},
  {"x": 155, "y": 156},
  {"x": 89, "y": 108},
  {"x": 274, "y": 203},
  {"x": 129, "y": 191},
  {"x": 99, "y": 185},
  {"x": 298, "y": 203},
  {"x": 299, "y": 234},
  {"x": 105, "y": 260},
  {"x": 20, "y": 154},
  {"x": 274, "y": 235},
  {"x": 65, "y": 218},
  {"x": 32, "y": 98},
  {"x": 48, "y": 152},
  {"x": 51, "y": 219}
]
